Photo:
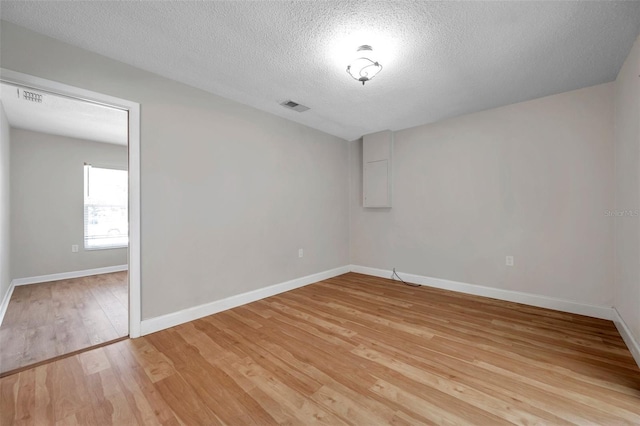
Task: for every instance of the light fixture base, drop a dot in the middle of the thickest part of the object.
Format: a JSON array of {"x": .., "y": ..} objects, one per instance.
[{"x": 363, "y": 68}]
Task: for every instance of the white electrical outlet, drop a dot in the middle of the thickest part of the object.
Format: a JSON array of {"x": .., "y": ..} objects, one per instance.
[
  {"x": 300, "y": 253},
  {"x": 509, "y": 261},
  {"x": 74, "y": 248}
]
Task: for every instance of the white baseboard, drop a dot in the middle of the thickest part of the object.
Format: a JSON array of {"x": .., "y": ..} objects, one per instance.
[
  {"x": 69, "y": 275},
  {"x": 625, "y": 332},
  {"x": 595, "y": 311},
  {"x": 5, "y": 301},
  {"x": 152, "y": 325}
]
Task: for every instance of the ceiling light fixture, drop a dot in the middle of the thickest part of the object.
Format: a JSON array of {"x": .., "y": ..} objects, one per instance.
[{"x": 364, "y": 68}]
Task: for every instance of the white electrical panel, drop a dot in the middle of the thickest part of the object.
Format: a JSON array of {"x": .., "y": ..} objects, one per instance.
[{"x": 377, "y": 160}]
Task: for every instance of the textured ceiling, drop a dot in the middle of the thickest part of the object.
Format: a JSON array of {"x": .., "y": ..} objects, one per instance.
[
  {"x": 63, "y": 116},
  {"x": 441, "y": 59}
]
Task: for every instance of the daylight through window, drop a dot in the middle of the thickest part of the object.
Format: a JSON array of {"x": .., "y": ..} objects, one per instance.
[{"x": 106, "y": 223}]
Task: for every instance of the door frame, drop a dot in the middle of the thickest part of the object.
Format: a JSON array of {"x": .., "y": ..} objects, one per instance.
[{"x": 133, "y": 110}]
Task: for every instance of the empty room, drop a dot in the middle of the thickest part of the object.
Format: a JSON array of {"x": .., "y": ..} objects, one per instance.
[{"x": 331, "y": 212}]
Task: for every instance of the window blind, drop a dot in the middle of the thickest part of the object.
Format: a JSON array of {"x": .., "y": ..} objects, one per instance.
[{"x": 106, "y": 219}]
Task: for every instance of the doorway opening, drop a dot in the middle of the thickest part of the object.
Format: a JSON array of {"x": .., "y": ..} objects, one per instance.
[{"x": 74, "y": 217}]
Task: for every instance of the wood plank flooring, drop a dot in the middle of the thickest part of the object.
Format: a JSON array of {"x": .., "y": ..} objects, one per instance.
[
  {"x": 47, "y": 320},
  {"x": 349, "y": 350}
]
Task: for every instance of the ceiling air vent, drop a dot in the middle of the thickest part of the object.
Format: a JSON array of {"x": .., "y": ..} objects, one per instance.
[
  {"x": 32, "y": 96},
  {"x": 294, "y": 106}
]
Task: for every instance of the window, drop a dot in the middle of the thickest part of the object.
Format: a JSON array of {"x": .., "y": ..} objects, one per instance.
[{"x": 106, "y": 221}]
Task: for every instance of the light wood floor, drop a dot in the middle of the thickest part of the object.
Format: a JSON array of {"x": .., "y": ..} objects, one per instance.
[
  {"x": 348, "y": 350},
  {"x": 47, "y": 320}
]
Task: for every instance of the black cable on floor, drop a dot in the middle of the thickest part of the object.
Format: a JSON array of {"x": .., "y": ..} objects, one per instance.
[{"x": 403, "y": 281}]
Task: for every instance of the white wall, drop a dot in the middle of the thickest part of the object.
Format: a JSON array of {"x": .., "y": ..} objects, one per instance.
[
  {"x": 5, "y": 270},
  {"x": 532, "y": 180},
  {"x": 627, "y": 191},
  {"x": 229, "y": 193},
  {"x": 47, "y": 198}
]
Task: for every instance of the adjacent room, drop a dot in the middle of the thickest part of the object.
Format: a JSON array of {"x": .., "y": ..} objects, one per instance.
[
  {"x": 333, "y": 212},
  {"x": 68, "y": 184}
]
